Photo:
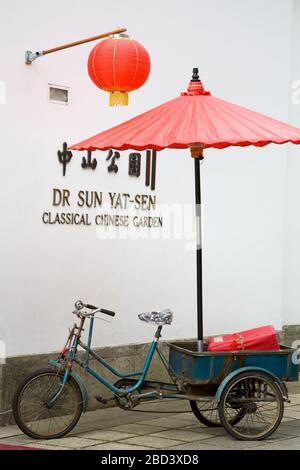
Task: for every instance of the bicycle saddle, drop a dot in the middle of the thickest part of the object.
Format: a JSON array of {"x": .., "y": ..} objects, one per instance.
[{"x": 164, "y": 317}]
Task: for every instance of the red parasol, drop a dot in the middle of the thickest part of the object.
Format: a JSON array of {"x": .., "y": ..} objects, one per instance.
[{"x": 194, "y": 120}]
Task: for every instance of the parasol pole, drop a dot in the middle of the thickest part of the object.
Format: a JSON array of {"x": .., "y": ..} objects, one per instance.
[{"x": 197, "y": 154}]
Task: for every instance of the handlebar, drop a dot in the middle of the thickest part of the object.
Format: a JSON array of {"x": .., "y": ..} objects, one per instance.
[
  {"x": 107, "y": 312},
  {"x": 79, "y": 305},
  {"x": 91, "y": 307}
]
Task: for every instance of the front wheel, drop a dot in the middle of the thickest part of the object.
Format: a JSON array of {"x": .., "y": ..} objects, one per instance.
[
  {"x": 256, "y": 398},
  {"x": 32, "y": 408}
]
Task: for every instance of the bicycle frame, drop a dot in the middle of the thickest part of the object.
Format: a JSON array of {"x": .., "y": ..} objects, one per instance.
[{"x": 140, "y": 374}]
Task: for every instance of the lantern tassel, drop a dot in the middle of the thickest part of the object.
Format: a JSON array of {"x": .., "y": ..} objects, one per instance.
[{"x": 118, "y": 98}]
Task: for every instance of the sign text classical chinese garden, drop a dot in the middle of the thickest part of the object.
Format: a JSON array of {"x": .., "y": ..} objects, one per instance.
[{"x": 130, "y": 209}]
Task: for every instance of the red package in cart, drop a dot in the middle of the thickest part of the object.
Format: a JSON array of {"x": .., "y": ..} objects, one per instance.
[{"x": 257, "y": 339}]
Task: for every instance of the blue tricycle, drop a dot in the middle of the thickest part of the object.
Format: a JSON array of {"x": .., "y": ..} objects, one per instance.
[{"x": 243, "y": 391}]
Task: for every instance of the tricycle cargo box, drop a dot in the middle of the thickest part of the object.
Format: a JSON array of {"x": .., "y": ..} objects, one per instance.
[{"x": 196, "y": 368}]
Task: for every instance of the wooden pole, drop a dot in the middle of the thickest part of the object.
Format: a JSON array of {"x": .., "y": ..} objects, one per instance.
[
  {"x": 83, "y": 41},
  {"x": 31, "y": 56}
]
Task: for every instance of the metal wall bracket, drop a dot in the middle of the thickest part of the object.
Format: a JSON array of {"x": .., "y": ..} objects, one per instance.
[{"x": 31, "y": 56}]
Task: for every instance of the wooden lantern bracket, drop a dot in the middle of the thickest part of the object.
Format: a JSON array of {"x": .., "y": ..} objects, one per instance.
[{"x": 31, "y": 56}]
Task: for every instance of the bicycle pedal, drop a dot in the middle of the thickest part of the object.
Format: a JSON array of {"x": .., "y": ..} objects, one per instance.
[{"x": 101, "y": 400}]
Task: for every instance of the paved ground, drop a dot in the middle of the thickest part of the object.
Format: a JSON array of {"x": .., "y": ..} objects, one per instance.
[{"x": 114, "y": 429}]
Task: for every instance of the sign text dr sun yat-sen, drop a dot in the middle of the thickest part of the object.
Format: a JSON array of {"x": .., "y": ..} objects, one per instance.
[{"x": 116, "y": 203}]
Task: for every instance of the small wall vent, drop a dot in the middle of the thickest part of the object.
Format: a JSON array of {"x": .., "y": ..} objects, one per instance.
[{"x": 58, "y": 94}]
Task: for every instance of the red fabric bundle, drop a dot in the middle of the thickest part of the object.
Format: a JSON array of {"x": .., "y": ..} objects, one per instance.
[{"x": 258, "y": 339}]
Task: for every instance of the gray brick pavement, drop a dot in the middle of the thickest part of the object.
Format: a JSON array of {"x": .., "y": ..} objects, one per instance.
[{"x": 114, "y": 429}]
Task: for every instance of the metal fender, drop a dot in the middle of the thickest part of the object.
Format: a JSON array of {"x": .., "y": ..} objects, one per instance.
[
  {"x": 281, "y": 385},
  {"x": 78, "y": 379},
  {"x": 85, "y": 396}
]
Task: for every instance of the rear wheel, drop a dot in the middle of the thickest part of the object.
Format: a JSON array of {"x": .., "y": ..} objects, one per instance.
[
  {"x": 207, "y": 412},
  {"x": 33, "y": 412},
  {"x": 257, "y": 398}
]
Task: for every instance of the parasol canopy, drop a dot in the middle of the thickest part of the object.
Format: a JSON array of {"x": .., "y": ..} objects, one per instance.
[
  {"x": 194, "y": 120},
  {"x": 194, "y": 116}
]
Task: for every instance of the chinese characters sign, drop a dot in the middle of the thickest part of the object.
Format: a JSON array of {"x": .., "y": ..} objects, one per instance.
[{"x": 134, "y": 163}]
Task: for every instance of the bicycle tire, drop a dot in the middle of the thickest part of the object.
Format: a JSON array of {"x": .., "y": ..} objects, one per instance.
[{"x": 46, "y": 372}]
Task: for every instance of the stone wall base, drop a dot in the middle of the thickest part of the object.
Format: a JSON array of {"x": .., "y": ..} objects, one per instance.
[{"x": 290, "y": 333}]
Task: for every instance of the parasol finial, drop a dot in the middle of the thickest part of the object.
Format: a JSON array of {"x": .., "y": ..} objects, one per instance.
[
  {"x": 195, "y": 76},
  {"x": 195, "y": 86}
]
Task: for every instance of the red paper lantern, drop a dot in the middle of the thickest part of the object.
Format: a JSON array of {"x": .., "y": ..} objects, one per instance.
[{"x": 119, "y": 65}]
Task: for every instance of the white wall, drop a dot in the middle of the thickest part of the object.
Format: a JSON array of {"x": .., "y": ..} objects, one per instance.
[
  {"x": 243, "y": 52},
  {"x": 291, "y": 306}
]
